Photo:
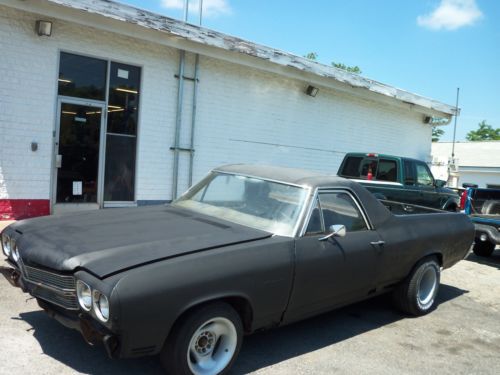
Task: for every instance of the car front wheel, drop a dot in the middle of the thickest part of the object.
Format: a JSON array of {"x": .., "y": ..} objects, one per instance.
[
  {"x": 205, "y": 342},
  {"x": 417, "y": 294}
]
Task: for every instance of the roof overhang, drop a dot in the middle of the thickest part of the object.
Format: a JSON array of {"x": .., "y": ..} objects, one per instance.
[{"x": 133, "y": 22}]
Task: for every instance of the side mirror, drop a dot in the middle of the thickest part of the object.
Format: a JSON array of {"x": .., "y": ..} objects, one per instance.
[
  {"x": 439, "y": 183},
  {"x": 335, "y": 231}
]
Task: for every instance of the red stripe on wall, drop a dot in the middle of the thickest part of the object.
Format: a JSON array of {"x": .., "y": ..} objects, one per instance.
[{"x": 17, "y": 209}]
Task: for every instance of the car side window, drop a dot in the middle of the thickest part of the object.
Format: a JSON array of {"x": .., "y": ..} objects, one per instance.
[
  {"x": 409, "y": 172},
  {"x": 339, "y": 208},
  {"x": 424, "y": 176},
  {"x": 387, "y": 170},
  {"x": 315, "y": 226}
]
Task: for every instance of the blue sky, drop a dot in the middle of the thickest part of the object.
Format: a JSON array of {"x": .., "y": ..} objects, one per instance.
[{"x": 429, "y": 47}]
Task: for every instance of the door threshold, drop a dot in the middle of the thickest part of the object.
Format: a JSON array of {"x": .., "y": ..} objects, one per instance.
[{"x": 62, "y": 208}]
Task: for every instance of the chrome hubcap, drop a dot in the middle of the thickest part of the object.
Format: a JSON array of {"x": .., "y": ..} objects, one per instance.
[
  {"x": 427, "y": 287},
  {"x": 212, "y": 346}
]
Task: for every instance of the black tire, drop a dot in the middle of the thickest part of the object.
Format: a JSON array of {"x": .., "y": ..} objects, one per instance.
[
  {"x": 192, "y": 335},
  {"x": 483, "y": 248},
  {"x": 451, "y": 208},
  {"x": 417, "y": 294}
]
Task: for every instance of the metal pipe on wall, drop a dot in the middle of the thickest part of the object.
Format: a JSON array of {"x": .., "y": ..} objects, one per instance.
[
  {"x": 178, "y": 116},
  {"x": 195, "y": 100},
  {"x": 193, "y": 118},
  {"x": 180, "y": 98},
  {"x": 178, "y": 122}
]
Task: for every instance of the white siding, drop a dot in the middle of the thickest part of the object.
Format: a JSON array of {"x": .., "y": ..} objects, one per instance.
[
  {"x": 479, "y": 178},
  {"x": 246, "y": 116},
  {"x": 478, "y": 162}
]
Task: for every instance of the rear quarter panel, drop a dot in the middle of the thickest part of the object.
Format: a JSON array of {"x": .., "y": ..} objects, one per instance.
[{"x": 409, "y": 238}]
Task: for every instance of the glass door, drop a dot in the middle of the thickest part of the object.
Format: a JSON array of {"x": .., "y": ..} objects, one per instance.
[{"x": 78, "y": 149}]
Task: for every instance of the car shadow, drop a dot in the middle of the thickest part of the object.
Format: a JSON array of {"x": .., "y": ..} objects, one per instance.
[
  {"x": 324, "y": 330},
  {"x": 67, "y": 346},
  {"x": 493, "y": 260}
]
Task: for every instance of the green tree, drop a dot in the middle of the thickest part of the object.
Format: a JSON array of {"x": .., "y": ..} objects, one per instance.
[
  {"x": 311, "y": 56},
  {"x": 353, "y": 69},
  {"x": 436, "y": 133},
  {"x": 485, "y": 133}
]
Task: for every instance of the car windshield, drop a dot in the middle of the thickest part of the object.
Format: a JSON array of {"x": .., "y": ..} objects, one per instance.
[{"x": 270, "y": 206}]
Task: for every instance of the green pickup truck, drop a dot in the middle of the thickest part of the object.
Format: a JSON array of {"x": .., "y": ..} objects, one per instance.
[{"x": 399, "y": 179}]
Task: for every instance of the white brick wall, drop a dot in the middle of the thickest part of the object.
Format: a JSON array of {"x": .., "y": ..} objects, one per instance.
[
  {"x": 250, "y": 116},
  {"x": 244, "y": 115}
]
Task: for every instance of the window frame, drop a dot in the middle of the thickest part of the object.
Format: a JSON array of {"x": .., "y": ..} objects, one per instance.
[{"x": 315, "y": 198}]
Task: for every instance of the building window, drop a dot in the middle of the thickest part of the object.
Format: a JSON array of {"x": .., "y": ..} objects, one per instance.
[
  {"x": 121, "y": 137},
  {"x": 82, "y": 77}
]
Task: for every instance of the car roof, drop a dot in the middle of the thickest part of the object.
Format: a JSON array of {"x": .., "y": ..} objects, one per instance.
[{"x": 293, "y": 176}]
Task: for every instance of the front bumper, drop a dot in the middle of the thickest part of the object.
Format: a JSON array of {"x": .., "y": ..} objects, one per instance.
[{"x": 92, "y": 332}]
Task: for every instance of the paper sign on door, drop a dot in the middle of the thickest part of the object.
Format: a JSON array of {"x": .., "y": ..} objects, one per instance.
[{"x": 77, "y": 187}]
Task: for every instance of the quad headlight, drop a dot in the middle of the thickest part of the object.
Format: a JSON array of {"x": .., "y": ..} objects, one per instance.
[
  {"x": 6, "y": 245},
  {"x": 84, "y": 294},
  {"x": 101, "y": 305},
  {"x": 92, "y": 299}
]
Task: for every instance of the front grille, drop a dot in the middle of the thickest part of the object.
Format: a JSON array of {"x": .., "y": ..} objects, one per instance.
[
  {"x": 51, "y": 287},
  {"x": 52, "y": 279}
]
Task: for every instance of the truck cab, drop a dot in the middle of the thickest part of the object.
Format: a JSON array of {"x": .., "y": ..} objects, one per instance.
[{"x": 398, "y": 179}]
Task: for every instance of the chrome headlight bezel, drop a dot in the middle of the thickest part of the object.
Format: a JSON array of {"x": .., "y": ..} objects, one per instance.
[
  {"x": 15, "y": 251},
  {"x": 81, "y": 289},
  {"x": 100, "y": 304},
  {"x": 6, "y": 244}
]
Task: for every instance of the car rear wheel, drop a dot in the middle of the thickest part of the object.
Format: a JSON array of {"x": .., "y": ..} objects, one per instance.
[
  {"x": 417, "y": 294},
  {"x": 205, "y": 342},
  {"x": 483, "y": 248}
]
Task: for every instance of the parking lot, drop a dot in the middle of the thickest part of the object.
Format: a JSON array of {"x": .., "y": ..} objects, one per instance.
[{"x": 461, "y": 336}]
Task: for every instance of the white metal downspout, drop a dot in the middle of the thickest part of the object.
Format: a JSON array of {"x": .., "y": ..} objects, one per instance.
[
  {"x": 178, "y": 119},
  {"x": 178, "y": 122},
  {"x": 193, "y": 118},
  {"x": 195, "y": 99}
]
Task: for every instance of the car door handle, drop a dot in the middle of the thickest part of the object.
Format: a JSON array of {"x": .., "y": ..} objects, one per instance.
[
  {"x": 378, "y": 245},
  {"x": 408, "y": 208}
]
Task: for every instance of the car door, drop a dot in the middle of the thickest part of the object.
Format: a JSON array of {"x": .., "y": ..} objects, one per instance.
[
  {"x": 332, "y": 272},
  {"x": 411, "y": 194},
  {"x": 425, "y": 182}
]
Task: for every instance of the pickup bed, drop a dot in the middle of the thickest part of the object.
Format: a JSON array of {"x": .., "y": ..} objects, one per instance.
[
  {"x": 483, "y": 207},
  {"x": 399, "y": 179},
  {"x": 247, "y": 248}
]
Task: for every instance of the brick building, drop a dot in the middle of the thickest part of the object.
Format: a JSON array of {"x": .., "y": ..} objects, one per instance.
[{"x": 118, "y": 106}]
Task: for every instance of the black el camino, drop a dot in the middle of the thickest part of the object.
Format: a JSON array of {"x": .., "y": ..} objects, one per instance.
[{"x": 247, "y": 248}]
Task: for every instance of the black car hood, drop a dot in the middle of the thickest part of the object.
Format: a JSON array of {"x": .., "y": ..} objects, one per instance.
[{"x": 108, "y": 241}]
